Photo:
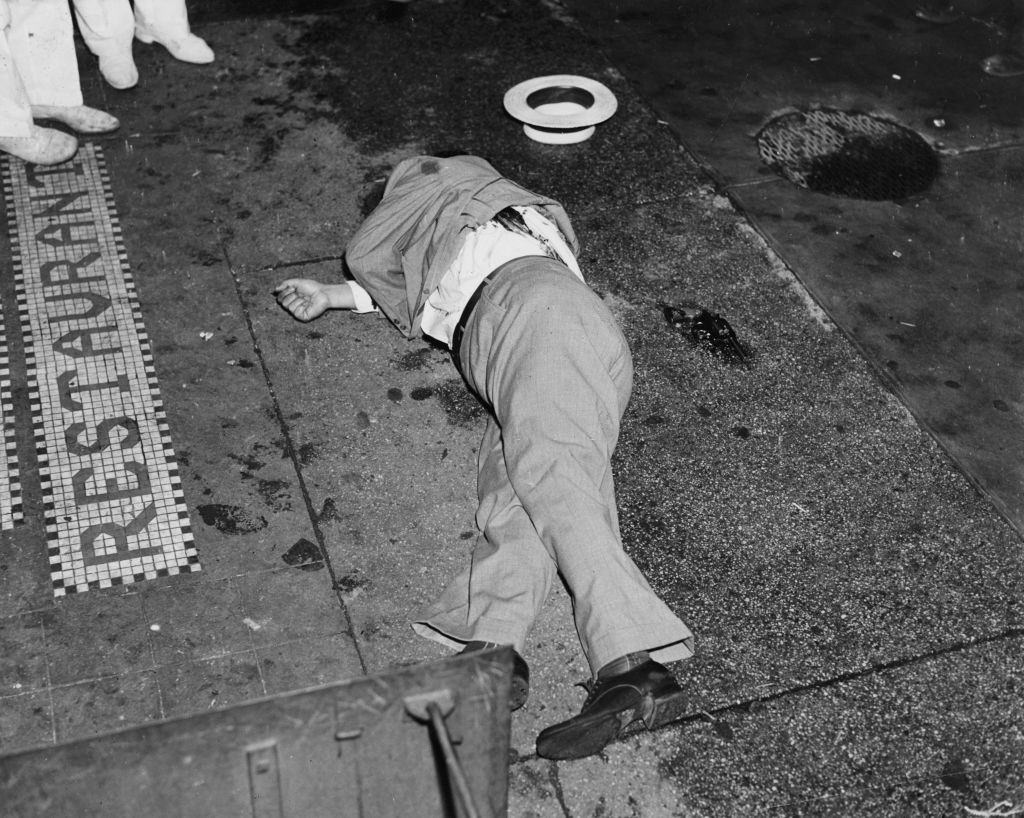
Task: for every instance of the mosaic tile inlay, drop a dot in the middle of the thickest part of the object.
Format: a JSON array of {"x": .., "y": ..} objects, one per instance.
[
  {"x": 112, "y": 495},
  {"x": 10, "y": 486}
]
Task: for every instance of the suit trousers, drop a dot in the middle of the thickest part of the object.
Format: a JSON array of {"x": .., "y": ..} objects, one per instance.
[
  {"x": 38, "y": 64},
  {"x": 108, "y": 26},
  {"x": 545, "y": 355}
]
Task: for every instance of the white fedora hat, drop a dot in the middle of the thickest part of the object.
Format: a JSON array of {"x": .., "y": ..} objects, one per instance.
[{"x": 561, "y": 108}]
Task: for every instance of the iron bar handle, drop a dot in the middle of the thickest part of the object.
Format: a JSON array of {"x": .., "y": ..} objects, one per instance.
[{"x": 455, "y": 772}]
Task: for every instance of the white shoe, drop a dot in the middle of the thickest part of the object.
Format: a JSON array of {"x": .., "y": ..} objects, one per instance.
[
  {"x": 119, "y": 72},
  {"x": 44, "y": 146},
  {"x": 80, "y": 117},
  {"x": 189, "y": 48}
]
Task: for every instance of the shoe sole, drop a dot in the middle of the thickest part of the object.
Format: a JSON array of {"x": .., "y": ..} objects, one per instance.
[
  {"x": 588, "y": 737},
  {"x": 584, "y": 738},
  {"x": 667, "y": 709}
]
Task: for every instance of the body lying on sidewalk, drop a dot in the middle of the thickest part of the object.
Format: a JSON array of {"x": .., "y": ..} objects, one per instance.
[{"x": 475, "y": 261}]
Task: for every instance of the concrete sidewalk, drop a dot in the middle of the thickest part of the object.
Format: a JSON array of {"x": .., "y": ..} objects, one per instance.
[{"x": 857, "y": 604}]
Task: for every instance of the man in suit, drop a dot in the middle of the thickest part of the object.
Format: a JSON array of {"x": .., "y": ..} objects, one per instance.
[{"x": 475, "y": 261}]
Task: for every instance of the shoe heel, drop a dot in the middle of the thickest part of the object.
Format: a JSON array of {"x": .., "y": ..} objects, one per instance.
[
  {"x": 647, "y": 710},
  {"x": 666, "y": 709}
]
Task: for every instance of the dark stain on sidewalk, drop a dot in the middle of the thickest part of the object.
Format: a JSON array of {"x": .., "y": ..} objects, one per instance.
[
  {"x": 231, "y": 519},
  {"x": 304, "y": 554},
  {"x": 329, "y": 512},
  {"x": 250, "y": 462},
  {"x": 275, "y": 494},
  {"x": 350, "y": 582},
  {"x": 417, "y": 359},
  {"x": 460, "y": 405},
  {"x": 308, "y": 452}
]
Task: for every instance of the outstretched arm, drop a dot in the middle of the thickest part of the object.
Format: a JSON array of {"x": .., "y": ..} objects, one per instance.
[{"x": 307, "y": 299}]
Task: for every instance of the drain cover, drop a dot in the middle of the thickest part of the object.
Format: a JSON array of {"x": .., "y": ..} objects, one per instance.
[{"x": 847, "y": 153}]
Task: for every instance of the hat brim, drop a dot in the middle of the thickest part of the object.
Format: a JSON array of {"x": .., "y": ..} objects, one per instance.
[{"x": 560, "y": 102}]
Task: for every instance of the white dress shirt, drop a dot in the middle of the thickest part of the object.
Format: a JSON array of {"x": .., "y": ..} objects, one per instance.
[{"x": 484, "y": 249}]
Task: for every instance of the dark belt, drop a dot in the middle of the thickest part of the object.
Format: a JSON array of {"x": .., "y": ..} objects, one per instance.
[
  {"x": 467, "y": 311},
  {"x": 460, "y": 325}
]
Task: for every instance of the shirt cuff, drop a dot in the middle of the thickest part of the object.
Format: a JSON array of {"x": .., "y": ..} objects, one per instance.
[{"x": 363, "y": 302}]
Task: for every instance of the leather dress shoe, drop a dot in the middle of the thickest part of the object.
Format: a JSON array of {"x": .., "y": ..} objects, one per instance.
[
  {"x": 43, "y": 146},
  {"x": 647, "y": 693},
  {"x": 80, "y": 117},
  {"x": 189, "y": 48},
  {"x": 520, "y": 688}
]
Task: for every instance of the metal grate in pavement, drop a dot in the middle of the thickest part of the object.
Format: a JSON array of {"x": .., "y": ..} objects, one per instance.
[{"x": 847, "y": 153}]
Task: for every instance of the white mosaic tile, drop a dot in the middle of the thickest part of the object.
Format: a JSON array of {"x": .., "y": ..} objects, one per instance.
[
  {"x": 10, "y": 482},
  {"x": 114, "y": 509}
]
